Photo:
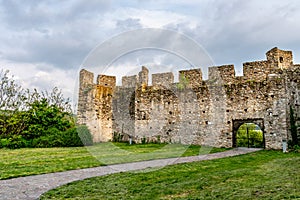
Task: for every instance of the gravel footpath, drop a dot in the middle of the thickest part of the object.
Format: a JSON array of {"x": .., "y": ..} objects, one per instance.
[{"x": 31, "y": 187}]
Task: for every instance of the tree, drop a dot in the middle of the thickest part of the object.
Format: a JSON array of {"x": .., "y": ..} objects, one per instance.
[
  {"x": 37, "y": 119},
  {"x": 44, "y": 116},
  {"x": 25, "y": 112},
  {"x": 12, "y": 101},
  {"x": 249, "y": 134},
  {"x": 55, "y": 98},
  {"x": 11, "y": 94}
]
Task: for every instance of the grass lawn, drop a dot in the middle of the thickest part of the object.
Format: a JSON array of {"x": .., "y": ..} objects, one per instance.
[
  {"x": 24, "y": 162},
  {"x": 259, "y": 175}
]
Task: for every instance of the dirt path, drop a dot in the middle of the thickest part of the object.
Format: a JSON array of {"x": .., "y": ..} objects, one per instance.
[{"x": 31, "y": 187}]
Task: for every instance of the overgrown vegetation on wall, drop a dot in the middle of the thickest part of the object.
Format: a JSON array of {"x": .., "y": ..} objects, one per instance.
[
  {"x": 183, "y": 82},
  {"x": 36, "y": 119},
  {"x": 295, "y": 140}
]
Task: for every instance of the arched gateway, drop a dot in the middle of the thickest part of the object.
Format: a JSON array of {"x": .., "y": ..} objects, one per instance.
[{"x": 239, "y": 122}]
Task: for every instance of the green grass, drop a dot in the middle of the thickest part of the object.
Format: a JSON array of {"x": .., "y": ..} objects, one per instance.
[
  {"x": 259, "y": 175},
  {"x": 24, "y": 162}
]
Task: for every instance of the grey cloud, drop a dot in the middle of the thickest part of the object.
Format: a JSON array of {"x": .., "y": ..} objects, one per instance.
[
  {"x": 60, "y": 51},
  {"x": 21, "y": 15},
  {"x": 239, "y": 31},
  {"x": 128, "y": 24},
  {"x": 58, "y": 33},
  {"x": 143, "y": 39},
  {"x": 90, "y": 7},
  {"x": 146, "y": 45}
]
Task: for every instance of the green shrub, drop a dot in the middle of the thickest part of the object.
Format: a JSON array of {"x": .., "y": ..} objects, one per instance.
[
  {"x": 85, "y": 135},
  {"x": 44, "y": 118},
  {"x": 72, "y": 137},
  {"x": 117, "y": 137},
  {"x": 49, "y": 138},
  {"x": 4, "y": 142},
  {"x": 296, "y": 148},
  {"x": 32, "y": 118},
  {"x": 143, "y": 140},
  {"x": 75, "y": 137},
  {"x": 13, "y": 142},
  {"x": 52, "y": 137}
]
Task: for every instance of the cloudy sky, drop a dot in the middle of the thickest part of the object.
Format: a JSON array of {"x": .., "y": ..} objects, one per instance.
[{"x": 44, "y": 43}]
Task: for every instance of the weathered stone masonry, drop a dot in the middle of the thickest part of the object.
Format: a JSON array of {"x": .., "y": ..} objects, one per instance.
[{"x": 193, "y": 110}]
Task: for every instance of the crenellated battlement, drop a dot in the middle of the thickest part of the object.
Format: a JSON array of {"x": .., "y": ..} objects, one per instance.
[
  {"x": 193, "y": 107},
  {"x": 163, "y": 79},
  {"x": 193, "y": 77},
  {"x": 108, "y": 81},
  {"x": 224, "y": 74},
  {"x": 129, "y": 81},
  {"x": 277, "y": 60}
]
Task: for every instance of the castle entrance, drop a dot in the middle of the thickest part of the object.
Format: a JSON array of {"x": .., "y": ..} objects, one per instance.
[{"x": 248, "y": 133}]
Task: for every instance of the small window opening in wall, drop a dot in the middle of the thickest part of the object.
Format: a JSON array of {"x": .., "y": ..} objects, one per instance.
[
  {"x": 203, "y": 111},
  {"x": 281, "y": 59},
  {"x": 170, "y": 113},
  {"x": 206, "y": 122},
  {"x": 105, "y": 84},
  {"x": 228, "y": 122},
  {"x": 246, "y": 110}
]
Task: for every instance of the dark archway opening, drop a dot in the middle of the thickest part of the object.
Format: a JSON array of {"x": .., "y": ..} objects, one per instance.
[{"x": 248, "y": 133}]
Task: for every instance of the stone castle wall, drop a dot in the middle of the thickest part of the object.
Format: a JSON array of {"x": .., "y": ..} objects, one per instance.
[{"x": 194, "y": 110}]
